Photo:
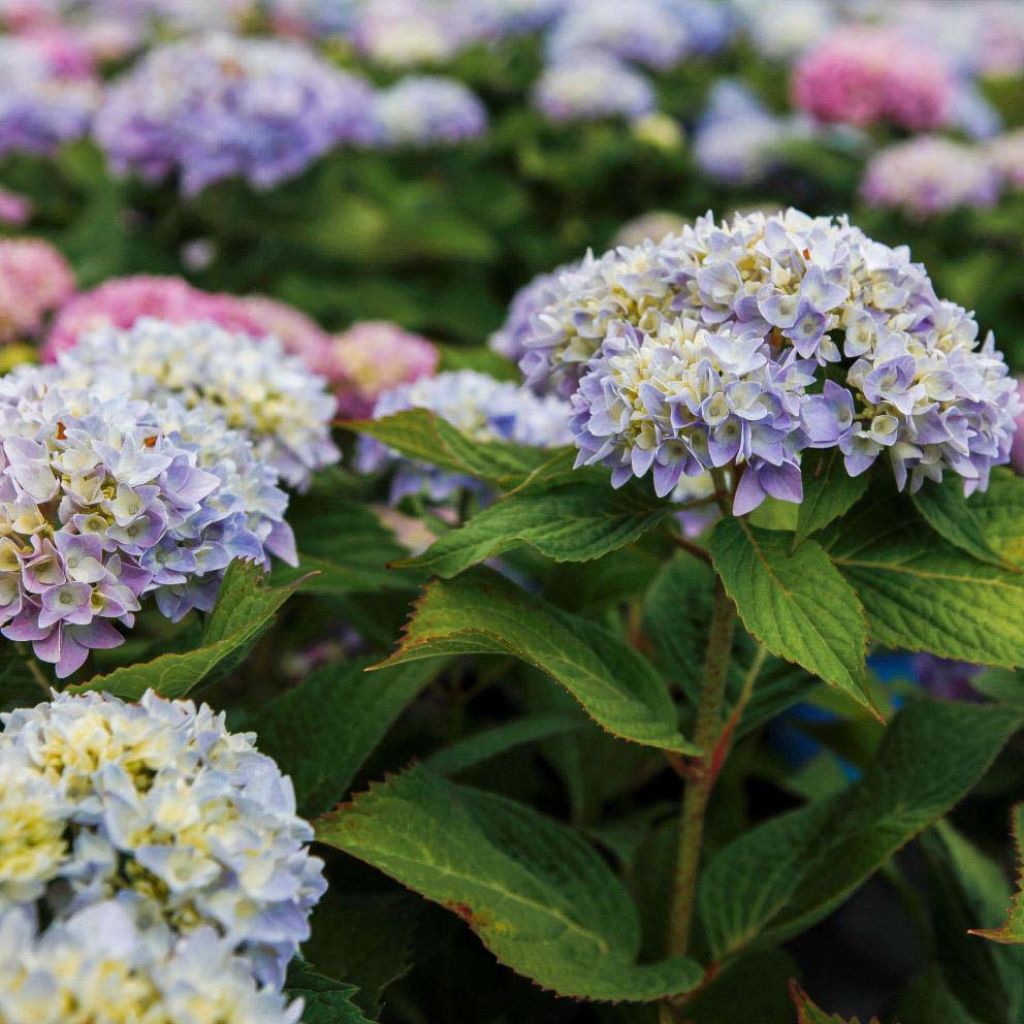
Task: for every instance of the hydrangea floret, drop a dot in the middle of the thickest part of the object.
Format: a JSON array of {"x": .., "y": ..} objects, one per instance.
[
  {"x": 158, "y": 805},
  {"x": 480, "y": 406},
  {"x": 104, "y": 500},
  {"x": 271, "y": 396},
  {"x": 738, "y": 345}
]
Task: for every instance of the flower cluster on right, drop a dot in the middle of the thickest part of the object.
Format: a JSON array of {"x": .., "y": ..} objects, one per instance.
[{"x": 744, "y": 343}]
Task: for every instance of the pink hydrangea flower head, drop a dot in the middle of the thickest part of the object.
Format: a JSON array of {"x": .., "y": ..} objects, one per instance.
[
  {"x": 15, "y": 209},
  {"x": 34, "y": 280},
  {"x": 862, "y": 76},
  {"x": 121, "y": 302},
  {"x": 376, "y": 356}
]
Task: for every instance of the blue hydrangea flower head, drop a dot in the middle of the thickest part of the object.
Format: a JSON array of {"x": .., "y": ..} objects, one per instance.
[{"x": 427, "y": 110}]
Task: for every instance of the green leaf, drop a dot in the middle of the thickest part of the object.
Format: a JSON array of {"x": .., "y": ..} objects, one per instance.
[
  {"x": 782, "y": 876},
  {"x": 795, "y": 603},
  {"x": 473, "y": 750},
  {"x": 753, "y": 990},
  {"x": 420, "y": 435},
  {"x": 482, "y": 613},
  {"x": 321, "y": 731},
  {"x": 809, "y": 1013},
  {"x": 540, "y": 899},
  {"x": 923, "y": 594},
  {"x": 829, "y": 491},
  {"x": 929, "y": 1001},
  {"x": 1011, "y": 932},
  {"x": 999, "y": 512},
  {"x": 946, "y": 510},
  {"x": 326, "y": 1001},
  {"x": 573, "y": 521},
  {"x": 245, "y": 608},
  {"x": 349, "y": 549}
]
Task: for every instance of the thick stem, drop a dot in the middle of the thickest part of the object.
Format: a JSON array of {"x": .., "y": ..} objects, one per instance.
[{"x": 702, "y": 779}]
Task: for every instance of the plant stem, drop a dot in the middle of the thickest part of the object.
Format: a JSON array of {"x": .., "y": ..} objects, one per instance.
[{"x": 702, "y": 779}]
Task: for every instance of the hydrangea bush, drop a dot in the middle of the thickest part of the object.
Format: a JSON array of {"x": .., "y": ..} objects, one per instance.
[{"x": 446, "y": 578}]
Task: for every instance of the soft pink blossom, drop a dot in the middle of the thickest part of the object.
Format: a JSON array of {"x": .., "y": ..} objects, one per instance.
[
  {"x": 15, "y": 209},
  {"x": 373, "y": 357},
  {"x": 862, "y": 76},
  {"x": 34, "y": 279}
]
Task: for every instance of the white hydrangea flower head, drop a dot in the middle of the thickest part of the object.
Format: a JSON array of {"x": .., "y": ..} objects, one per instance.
[
  {"x": 157, "y": 802},
  {"x": 274, "y": 397},
  {"x": 105, "y": 964}
]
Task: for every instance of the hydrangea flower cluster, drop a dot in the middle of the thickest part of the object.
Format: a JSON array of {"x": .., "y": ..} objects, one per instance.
[
  {"x": 34, "y": 280},
  {"x": 221, "y": 107},
  {"x": 591, "y": 87},
  {"x": 427, "y": 110},
  {"x": 272, "y": 397},
  {"x": 1006, "y": 154},
  {"x": 102, "y": 964},
  {"x": 862, "y": 76},
  {"x": 737, "y": 138},
  {"x": 41, "y": 105},
  {"x": 158, "y": 805},
  {"x": 930, "y": 175},
  {"x": 645, "y": 31},
  {"x": 700, "y": 353},
  {"x": 480, "y": 406},
  {"x": 782, "y": 29},
  {"x": 406, "y": 33},
  {"x": 15, "y": 208},
  {"x": 376, "y": 356},
  {"x": 122, "y": 301},
  {"x": 104, "y": 500}
]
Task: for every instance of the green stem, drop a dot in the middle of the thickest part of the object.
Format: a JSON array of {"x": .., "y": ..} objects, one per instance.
[{"x": 702, "y": 779}]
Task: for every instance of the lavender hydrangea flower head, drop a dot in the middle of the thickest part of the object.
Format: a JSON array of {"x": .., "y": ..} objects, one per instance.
[
  {"x": 157, "y": 805},
  {"x": 104, "y": 500},
  {"x": 591, "y": 87},
  {"x": 376, "y": 356},
  {"x": 222, "y": 107},
  {"x": 478, "y": 405},
  {"x": 34, "y": 280},
  {"x": 644, "y": 31},
  {"x": 109, "y": 964},
  {"x": 41, "y": 106},
  {"x": 427, "y": 110},
  {"x": 930, "y": 175},
  {"x": 274, "y": 398},
  {"x": 493, "y": 20},
  {"x": 708, "y": 351}
]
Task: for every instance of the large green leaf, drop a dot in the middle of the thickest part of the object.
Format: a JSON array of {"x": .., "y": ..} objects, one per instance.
[
  {"x": 922, "y": 593},
  {"x": 570, "y": 521},
  {"x": 929, "y": 1001},
  {"x": 321, "y": 731},
  {"x": 999, "y": 512},
  {"x": 946, "y": 510},
  {"x": 482, "y": 613},
  {"x": 784, "y": 875},
  {"x": 245, "y": 608},
  {"x": 829, "y": 491},
  {"x": 326, "y": 1001},
  {"x": 424, "y": 437},
  {"x": 1011, "y": 931},
  {"x": 795, "y": 603},
  {"x": 535, "y": 893}
]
